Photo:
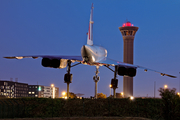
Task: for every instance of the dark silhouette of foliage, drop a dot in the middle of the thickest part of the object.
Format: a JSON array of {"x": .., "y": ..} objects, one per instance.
[
  {"x": 47, "y": 107},
  {"x": 171, "y": 104},
  {"x": 101, "y": 95},
  {"x": 72, "y": 95}
]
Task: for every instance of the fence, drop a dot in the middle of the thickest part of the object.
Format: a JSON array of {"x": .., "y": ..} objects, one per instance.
[{"x": 47, "y": 107}]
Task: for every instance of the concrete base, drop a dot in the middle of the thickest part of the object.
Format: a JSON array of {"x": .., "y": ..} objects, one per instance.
[{"x": 127, "y": 86}]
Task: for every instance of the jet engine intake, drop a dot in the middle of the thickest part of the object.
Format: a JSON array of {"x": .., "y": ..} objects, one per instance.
[
  {"x": 54, "y": 63},
  {"x": 131, "y": 72}
]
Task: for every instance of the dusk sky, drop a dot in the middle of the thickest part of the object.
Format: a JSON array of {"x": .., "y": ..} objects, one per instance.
[{"x": 59, "y": 27}]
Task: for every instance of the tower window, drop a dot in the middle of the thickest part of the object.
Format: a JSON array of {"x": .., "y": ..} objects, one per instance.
[
  {"x": 130, "y": 32},
  {"x": 127, "y": 33},
  {"x": 122, "y": 33}
]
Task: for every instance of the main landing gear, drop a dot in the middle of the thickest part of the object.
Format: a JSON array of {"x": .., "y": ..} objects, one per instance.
[
  {"x": 114, "y": 81},
  {"x": 68, "y": 76}
]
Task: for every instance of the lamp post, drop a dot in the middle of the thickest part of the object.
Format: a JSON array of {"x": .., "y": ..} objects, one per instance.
[
  {"x": 64, "y": 95},
  {"x": 110, "y": 86},
  {"x": 131, "y": 97},
  {"x": 165, "y": 86},
  {"x": 53, "y": 91},
  {"x": 154, "y": 89},
  {"x": 122, "y": 94},
  {"x": 179, "y": 81}
]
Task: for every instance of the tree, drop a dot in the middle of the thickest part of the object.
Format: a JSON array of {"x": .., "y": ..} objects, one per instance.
[
  {"x": 171, "y": 104},
  {"x": 101, "y": 95},
  {"x": 72, "y": 95}
]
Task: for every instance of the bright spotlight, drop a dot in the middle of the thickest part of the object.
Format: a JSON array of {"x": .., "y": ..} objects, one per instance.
[
  {"x": 165, "y": 86},
  {"x": 131, "y": 97},
  {"x": 52, "y": 85},
  {"x": 63, "y": 93}
]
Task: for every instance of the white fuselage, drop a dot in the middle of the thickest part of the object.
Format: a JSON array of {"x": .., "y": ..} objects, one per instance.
[{"x": 92, "y": 54}]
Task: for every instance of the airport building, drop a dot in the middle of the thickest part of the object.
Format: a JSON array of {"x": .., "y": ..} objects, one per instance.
[
  {"x": 43, "y": 91},
  {"x": 51, "y": 92},
  {"x": 35, "y": 91},
  {"x": 12, "y": 89}
]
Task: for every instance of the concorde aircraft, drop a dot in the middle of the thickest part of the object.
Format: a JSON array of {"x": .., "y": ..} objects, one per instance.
[{"x": 90, "y": 55}]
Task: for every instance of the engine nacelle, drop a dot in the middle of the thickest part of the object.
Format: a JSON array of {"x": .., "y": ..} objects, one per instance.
[
  {"x": 54, "y": 63},
  {"x": 131, "y": 72}
]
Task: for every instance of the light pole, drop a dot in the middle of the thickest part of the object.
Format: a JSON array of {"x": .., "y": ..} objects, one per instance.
[
  {"x": 154, "y": 89},
  {"x": 122, "y": 94},
  {"x": 110, "y": 89},
  {"x": 131, "y": 97},
  {"x": 64, "y": 95},
  {"x": 179, "y": 81},
  {"x": 165, "y": 86},
  {"x": 53, "y": 91}
]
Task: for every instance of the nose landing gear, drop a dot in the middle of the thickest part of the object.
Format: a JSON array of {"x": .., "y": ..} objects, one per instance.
[{"x": 96, "y": 78}]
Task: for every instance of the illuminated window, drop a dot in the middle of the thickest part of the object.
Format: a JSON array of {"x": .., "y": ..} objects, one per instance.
[
  {"x": 130, "y": 32},
  {"x": 5, "y": 83},
  {"x": 32, "y": 92},
  {"x": 29, "y": 92},
  {"x": 39, "y": 88},
  {"x": 134, "y": 33},
  {"x": 127, "y": 33},
  {"x": 122, "y": 33}
]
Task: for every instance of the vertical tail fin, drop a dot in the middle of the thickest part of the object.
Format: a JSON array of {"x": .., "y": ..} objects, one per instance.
[{"x": 90, "y": 31}]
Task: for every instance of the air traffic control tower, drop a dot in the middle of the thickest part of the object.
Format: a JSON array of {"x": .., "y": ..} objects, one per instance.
[{"x": 128, "y": 32}]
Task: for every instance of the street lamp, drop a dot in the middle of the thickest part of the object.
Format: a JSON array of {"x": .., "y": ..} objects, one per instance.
[
  {"x": 165, "y": 86},
  {"x": 122, "y": 94},
  {"x": 179, "y": 81},
  {"x": 131, "y": 97},
  {"x": 63, "y": 93},
  {"x": 53, "y": 90},
  {"x": 110, "y": 88}
]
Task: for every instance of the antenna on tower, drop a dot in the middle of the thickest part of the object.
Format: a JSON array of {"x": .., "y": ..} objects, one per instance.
[{"x": 126, "y": 20}]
